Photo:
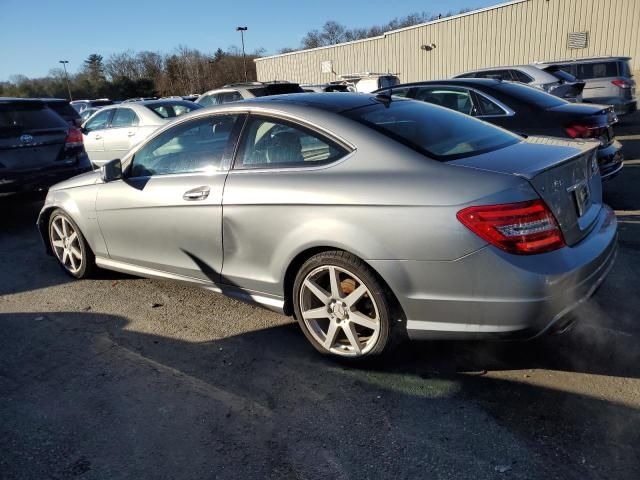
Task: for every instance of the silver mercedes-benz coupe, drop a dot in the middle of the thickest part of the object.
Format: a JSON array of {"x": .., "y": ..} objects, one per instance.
[{"x": 367, "y": 218}]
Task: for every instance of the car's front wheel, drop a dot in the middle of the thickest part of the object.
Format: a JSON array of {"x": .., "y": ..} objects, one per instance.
[
  {"x": 342, "y": 308},
  {"x": 69, "y": 245}
]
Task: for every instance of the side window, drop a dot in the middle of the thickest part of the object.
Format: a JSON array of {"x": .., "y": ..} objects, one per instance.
[
  {"x": 398, "y": 92},
  {"x": 124, "y": 117},
  {"x": 100, "y": 121},
  {"x": 229, "y": 97},
  {"x": 195, "y": 146},
  {"x": 275, "y": 143},
  {"x": 208, "y": 100},
  {"x": 501, "y": 74},
  {"x": 487, "y": 107},
  {"x": 457, "y": 99},
  {"x": 519, "y": 76}
]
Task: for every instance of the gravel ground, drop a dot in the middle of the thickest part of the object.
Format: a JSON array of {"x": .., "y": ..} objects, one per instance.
[{"x": 120, "y": 377}]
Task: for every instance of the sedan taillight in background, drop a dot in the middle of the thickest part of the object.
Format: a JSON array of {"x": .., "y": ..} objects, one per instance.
[
  {"x": 74, "y": 138},
  {"x": 586, "y": 131},
  {"x": 621, "y": 83},
  {"x": 523, "y": 228}
]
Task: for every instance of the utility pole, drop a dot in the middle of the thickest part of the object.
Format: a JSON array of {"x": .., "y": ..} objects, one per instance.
[
  {"x": 244, "y": 58},
  {"x": 64, "y": 65}
]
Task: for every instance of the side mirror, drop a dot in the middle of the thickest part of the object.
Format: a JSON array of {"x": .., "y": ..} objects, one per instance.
[{"x": 112, "y": 170}]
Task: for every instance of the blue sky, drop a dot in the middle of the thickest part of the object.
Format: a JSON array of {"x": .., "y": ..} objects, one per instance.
[{"x": 36, "y": 34}]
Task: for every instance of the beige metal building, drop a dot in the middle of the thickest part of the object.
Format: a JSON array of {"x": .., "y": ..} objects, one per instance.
[{"x": 517, "y": 32}]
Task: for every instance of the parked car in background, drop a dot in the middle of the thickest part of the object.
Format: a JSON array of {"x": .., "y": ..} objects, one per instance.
[
  {"x": 87, "y": 112},
  {"x": 192, "y": 98},
  {"x": 524, "y": 110},
  {"x": 80, "y": 105},
  {"x": 37, "y": 147},
  {"x": 141, "y": 99},
  {"x": 292, "y": 202},
  {"x": 608, "y": 80},
  {"x": 113, "y": 130},
  {"x": 63, "y": 108},
  {"x": 566, "y": 87},
  {"x": 325, "y": 87},
  {"x": 240, "y": 91},
  {"x": 367, "y": 82}
]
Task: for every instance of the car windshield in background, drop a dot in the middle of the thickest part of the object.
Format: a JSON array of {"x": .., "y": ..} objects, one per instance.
[
  {"x": 437, "y": 132},
  {"x": 19, "y": 117},
  {"x": 172, "y": 109},
  {"x": 530, "y": 95},
  {"x": 276, "y": 89}
]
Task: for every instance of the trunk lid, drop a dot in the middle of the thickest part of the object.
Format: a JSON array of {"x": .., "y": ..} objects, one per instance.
[{"x": 564, "y": 173}]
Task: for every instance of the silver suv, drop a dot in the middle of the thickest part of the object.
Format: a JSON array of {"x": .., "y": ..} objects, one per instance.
[
  {"x": 607, "y": 80},
  {"x": 235, "y": 92},
  {"x": 563, "y": 86}
]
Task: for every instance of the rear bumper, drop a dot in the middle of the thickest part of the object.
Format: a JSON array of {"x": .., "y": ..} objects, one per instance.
[
  {"x": 610, "y": 160},
  {"x": 16, "y": 182},
  {"x": 492, "y": 294}
]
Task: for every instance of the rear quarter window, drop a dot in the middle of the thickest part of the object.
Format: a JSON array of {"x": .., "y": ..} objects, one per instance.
[{"x": 597, "y": 70}]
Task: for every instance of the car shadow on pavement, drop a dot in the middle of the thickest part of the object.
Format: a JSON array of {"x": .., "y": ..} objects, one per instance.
[
  {"x": 20, "y": 241},
  {"x": 84, "y": 392}
]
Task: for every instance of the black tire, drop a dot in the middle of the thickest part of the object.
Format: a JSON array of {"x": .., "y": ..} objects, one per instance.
[
  {"x": 88, "y": 259},
  {"x": 390, "y": 329}
]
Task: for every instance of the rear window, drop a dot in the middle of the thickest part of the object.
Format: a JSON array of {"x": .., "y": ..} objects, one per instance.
[
  {"x": 101, "y": 103},
  {"x": 16, "y": 118},
  {"x": 529, "y": 95},
  {"x": 587, "y": 71},
  {"x": 276, "y": 89},
  {"x": 561, "y": 74},
  {"x": 63, "y": 109},
  {"x": 171, "y": 110},
  {"x": 437, "y": 132}
]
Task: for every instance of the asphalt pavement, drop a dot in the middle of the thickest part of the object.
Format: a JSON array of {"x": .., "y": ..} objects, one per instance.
[{"x": 126, "y": 378}]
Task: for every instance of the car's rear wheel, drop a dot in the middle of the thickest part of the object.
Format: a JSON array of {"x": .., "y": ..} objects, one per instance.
[
  {"x": 69, "y": 245},
  {"x": 342, "y": 308}
]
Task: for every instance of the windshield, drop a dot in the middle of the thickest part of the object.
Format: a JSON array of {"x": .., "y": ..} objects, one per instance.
[
  {"x": 435, "y": 131},
  {"x": 529, "y": 95},
  {"x": 172, "y": 109},
  {"x": 276, "y": 89}
]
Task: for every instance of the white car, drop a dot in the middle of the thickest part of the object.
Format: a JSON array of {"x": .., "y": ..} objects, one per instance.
[{"x": 112, "y": 131}]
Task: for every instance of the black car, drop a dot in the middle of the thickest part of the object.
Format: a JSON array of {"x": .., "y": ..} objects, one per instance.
[
  {"x": 523, "y": 110},
  {"x": 37, "y": 147},
  {"x": 63, "y": 108}
]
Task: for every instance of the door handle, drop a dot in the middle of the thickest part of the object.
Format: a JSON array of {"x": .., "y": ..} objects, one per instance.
[
  {"x": 131, "y": 134},
  {"x": 98, "y": 137},
  {"x": 198, "y": 193}
]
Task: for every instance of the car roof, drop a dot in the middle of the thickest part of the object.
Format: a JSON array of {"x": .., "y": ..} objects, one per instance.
[
  {"x": 463, "y": 82},
  {"x": 585, "y": 60},
  {"x": 329, "y": 101}
]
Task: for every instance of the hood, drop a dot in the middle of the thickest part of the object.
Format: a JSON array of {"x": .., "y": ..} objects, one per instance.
[{"x": 88, "y": 178}]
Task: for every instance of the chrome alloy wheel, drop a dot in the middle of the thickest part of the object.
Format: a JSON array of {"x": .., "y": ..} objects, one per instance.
[
  {"x": 339, "y": 311},
  {"x": 66, "y": 244}
]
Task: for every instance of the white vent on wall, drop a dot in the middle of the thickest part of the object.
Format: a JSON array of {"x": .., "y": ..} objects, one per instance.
[{"x": 578, "y": 39}]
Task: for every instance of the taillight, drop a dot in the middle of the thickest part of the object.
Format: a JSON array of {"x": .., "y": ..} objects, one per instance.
[
  {"x": 74, "y": 138},
  {"x": 621, "y": 83},
  {"x": 585, "y": 131},
  {"x": 523, "y": 228}
]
